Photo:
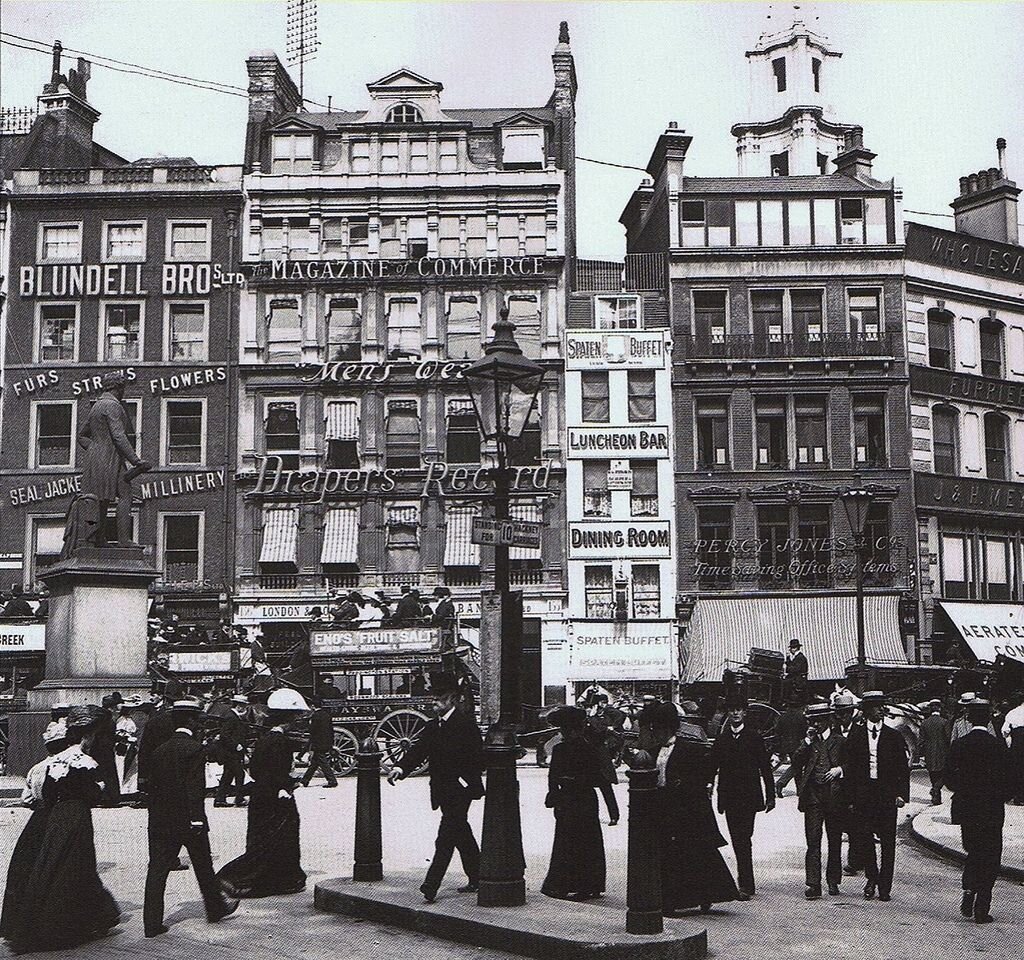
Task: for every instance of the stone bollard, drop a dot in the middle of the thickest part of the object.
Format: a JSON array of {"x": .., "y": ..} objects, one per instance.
[
  {"x": 368, "y": 858},
  {"x": 643, "y": 859}
]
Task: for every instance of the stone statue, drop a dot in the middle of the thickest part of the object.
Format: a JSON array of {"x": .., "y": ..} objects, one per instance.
[{"x": 105, "y": 478}]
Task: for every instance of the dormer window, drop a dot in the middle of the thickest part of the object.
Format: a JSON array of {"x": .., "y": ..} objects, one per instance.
[
  {"x": 522, "y": 147},
  {"x": 292, "y": 153},
  {"x": 404, "y": 113}
]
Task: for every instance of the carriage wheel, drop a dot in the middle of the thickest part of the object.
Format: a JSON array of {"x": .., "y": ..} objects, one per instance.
[
  {"x": 396, "y": 731},
  {"x": 343, "y": 756},
  {"x": 764, "y": 718}
]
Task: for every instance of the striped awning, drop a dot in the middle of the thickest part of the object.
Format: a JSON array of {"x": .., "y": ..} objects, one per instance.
[
  {"x": 280, "y": 535},
  {"x": 460, "y": 407},
  {"x": 342, "y": 418},
  {"x": 459, "y": 549},
  {"x": 722, "y": 631},
  {"x": 341, "y": 536},
  {"x": 533, "y": 512},
  {"x": 403, "y": 516}
]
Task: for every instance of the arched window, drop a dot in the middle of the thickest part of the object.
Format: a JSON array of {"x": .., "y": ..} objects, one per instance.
[
  {"x": 940, "y": 338},
  {"x": 946, "y": 440},
  {"x": 404, "y": 113},
  {"x": 991, "y": 348},
  {"x": 997, "y": 460}
]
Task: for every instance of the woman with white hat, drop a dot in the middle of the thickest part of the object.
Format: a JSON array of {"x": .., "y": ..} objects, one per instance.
[{"x": 271, "y": 862}]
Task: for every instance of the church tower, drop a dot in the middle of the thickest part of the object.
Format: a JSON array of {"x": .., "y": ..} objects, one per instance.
[{"x": 790, "y": 128}]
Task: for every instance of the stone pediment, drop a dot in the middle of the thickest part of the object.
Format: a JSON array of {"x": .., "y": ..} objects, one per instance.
[
  {"x": 715, "y": 494},
  {"x": 792, "y": 491},
  {"x": 404, "y": 79},
  {"x": 295, "y": 125},
  {"x": 405, "y": 86},
  {"x": 521, "y": 119}
]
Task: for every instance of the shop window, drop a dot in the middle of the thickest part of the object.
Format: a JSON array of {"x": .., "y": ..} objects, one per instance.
[
  {"x": 463, "y": 327},
  {"x": 448, "y": 155},
  {"x": 124, "y": 241},
  {"x": 772, "y": 441},
  {"x": 991, "y": 348},
  {"x": 292, "y": 154},
  {"x": 403, "y": 321},
  {"x": 188, "y": 240},
  {"x": 596, "y": 401},
  {"x": 997, "y": 465},
  {"x": 808, "y": 316},
  {"x": 341, "y": 431},
  {"x": 122, "y": 330},
  {"x": 47, "y": 544},
  {"x": 814, "y": 536},
  {"x": 709, "y": 315},
  {"x": 54, "y": 440},
  {"x": 878, "y": 547},
  {"x": 597, "y": 499},
  {"x": 58, "y": 332},
  {"x": 869, "y": 445},
  {"x": 865, "y": 316},
  {"x": 403, "y": 435},
  {"x": 344, "y": 329},
  {"x": 774, "y": 546},
  {"x": 646, "y": 591},
  {"x": 811, "y": 432},
  {"x": 404, "y": 113},
  {"x": 462, "y": 439},
  {"x": 780, "y": 164},
  {"x": 714, "y": 557},
  {"x": 946, "y": 440},
  {"x": 525, "y": 450},
  {"x": 641, "y": 405},
  {"x": 851, "y": 220},
  {"x": 617, "y": 313},
  {"x": 281, "y": 432},
  {"x": 60, "y": 242},
  {"x": 997, "y": 568},
  {"x": 766, "y": 306},
  {"x": 181, "y": 547},
  {"x": 955, "y": 559},
  {"x": 186, "y": 331},
  {"x": 598, "y": 592},
  {"x": 643, "y": 498},
  {"x": 522, "y": 148},
  {"x": 359, "y": 156},
  {"x": 284, "y": 331},
  {"x": 184, "y": 432},
  {"x": 524, "y": 312},
  {"x": 712, "y": 433}
]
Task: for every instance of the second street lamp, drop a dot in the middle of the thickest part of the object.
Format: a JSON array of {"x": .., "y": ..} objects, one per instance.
[
  {"x": 503, "y": 385},
  {"x": 857, "y": 502}
]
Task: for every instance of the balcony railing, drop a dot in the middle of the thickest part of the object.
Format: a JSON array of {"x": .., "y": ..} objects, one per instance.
[
  {"x": 788, "y": 346},
  {"x": 56, "y": 178},
  {"x": 189, "y": 174},
  {"x": 128, "y": 175}
]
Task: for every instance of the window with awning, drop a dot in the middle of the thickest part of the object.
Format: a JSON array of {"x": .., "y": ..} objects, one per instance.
[
  {"x": 462, "y": 435},
  {"x": 532, "y": 513},
  {"x": 402, "y": 521},
  {"x": 280, "y": 536},
  {"x": 459, "y": 549},
  {"x": 344, "y": 328},
  {"x": 341, "y": 431},
  {"x": 341, "y": 537}
]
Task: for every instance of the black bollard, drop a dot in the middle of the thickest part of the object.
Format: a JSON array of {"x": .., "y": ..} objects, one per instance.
[
  {"x": 368, "y": 856},
  {"x": 643, "y": 859}
]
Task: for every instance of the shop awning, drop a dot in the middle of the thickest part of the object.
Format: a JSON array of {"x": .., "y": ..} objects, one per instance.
[
  {"x": 342, "y": 420},
  {"x": 722, "y": 631},
  {"x": 459, "y": 549},
  {"x": 341, "y": 536},
  {"x": 534, "y": 513},
  {"x": 990, "y": 629},
  {"x": 280, "y": 536}
]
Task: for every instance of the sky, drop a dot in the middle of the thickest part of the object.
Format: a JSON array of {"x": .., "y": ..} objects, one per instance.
[{"x": 932, "y": 82}]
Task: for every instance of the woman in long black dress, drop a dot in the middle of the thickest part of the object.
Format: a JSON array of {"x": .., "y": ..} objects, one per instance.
[
  {"x": 271, "y": 863},
  {"x": 693, "y": 872},
  {"x": 63, "y": 902},
  {"x": 577, "y": 869}
]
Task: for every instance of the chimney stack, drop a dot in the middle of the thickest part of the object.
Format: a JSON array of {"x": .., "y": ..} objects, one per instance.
[
  {"x": 64, "y": 100},
  {"x": 855, "y": 160},
  {"x": 987, "y": 205}
]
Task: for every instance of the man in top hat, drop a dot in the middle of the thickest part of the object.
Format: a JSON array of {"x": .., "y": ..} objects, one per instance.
[
  {"x": 408, "y": 611},
  {"x": 745, "y": 785},
  {"x": 444, "y": 611},
  {"x": 845, "y": 722},
  {"x": 177, "y": 818},
  {"x": 977, "y": 772},
  {"x": 230, "y": 752},
  {"x": 935, "y": 736},
  {"x": 817, "y": 767},
  {"x": 877, "y": 775},
  {"x": 452, "y": 745},
  {"x": 796, "y": 671}
]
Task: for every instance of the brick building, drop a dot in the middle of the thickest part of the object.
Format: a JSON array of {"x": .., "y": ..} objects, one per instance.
[
  {"x": 380, "y": 246},
  {"x": 125, "y": 266}
]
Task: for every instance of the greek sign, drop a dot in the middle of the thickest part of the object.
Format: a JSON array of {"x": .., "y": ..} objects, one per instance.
[
  {"x": 620, "y": 538},
  {"x": 22, "y": 637},
  {"x": 599, "y": 349},
  {"x": 635, "y": 650},
  {"x": 605, "y": 442},
  {"x": 384, "y": 640},
  {"x": 509, "y": 533},
  {"x": 201, "y": 661},
  {"x": 319, "y": 271}
]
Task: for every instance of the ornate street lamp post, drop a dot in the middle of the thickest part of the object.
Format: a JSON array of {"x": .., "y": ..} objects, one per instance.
[
  {"x": 503, "y": 385},
  {"x": 857, "y": 502}
]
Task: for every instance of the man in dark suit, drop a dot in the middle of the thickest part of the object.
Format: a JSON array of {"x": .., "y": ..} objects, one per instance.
[
  {"x": 452, "y": 745},
  {"x": 977, "y": 771},
  {"x": 935, "y": 733},
  {"x": 877, "y": 777},
  {"x": 321, "y": 745},
  {"x": 409, "y": 611},
  {"x": 230, "y": 751},
  {"x": 745, "y": 786},
  {"x": 177, "y": 818},
  {"x": 444, "y": 611},
  {"x": 817, "y": 767},
  {"x": 796, "y": 672}
]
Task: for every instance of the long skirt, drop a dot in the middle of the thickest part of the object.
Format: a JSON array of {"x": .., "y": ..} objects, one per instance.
[
  {"x": 271, "y": 862},
  {"x": 23, "y": 859},
  {"x": 62, "y": 902},
  {"x": 693, "y": 873},
  {"x": 577, "y": 854}
]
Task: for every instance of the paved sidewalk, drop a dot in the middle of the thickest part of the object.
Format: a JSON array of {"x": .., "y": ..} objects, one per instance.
[{"x": 932, "y": 828}]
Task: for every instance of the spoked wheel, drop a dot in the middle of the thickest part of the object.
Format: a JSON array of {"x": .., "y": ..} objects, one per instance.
[
  {"x": 396, "y": 732},
  {"x": 343, "y": 756},
  {"x": 763, "y": 718}
]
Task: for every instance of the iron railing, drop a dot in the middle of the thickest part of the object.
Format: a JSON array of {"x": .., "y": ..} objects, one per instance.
[{"x": 785, "y": 346}]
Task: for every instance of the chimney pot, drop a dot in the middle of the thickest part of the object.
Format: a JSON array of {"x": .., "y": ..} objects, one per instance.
[
  {"x": 994, "y": 174},
  {"x": 983, "y": 183},
  {"x": 57, "y": 48},
  {"x": 673, "y": 124},
  {"x": 1001, "y": 153},
  {"x": 964, "y": 186},
  {"x": 972, "y": 183}
]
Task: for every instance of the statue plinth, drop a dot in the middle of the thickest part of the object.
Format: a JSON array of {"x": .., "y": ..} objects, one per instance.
[{"x": 96, "y": 638}]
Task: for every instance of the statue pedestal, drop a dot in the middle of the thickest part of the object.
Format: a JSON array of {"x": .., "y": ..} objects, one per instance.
[{"x": 96, "y": 639}]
